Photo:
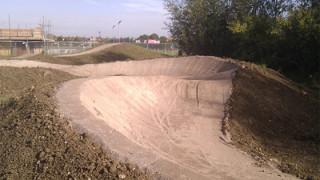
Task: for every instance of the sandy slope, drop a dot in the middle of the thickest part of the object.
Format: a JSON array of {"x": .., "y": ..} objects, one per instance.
[{"x": 165, "y": 115}]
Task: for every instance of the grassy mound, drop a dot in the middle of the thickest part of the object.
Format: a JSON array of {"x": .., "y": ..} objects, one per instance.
[
  {"x": 121, "y": 52},
  {"x": 36, "y": 143},
  {"x": 273, "y": 119}
]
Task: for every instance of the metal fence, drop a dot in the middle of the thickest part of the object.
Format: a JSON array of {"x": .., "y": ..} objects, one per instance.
[
  {"x": 68, "y": 47},
  {"x": 17, "y": 48},
  {"x": 166, "y": 48}
]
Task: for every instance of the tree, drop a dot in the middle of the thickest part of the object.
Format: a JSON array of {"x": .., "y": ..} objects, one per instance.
[
  {"x": 200, "y": 27},
  {"x": 76, "y": 39},
  {"x": 59, "y": 38},
  {"x": 144, "y": 37},
  {"x": 281, "y": 34},
  {"x": 154, "y": 36},
  {"x": 301, "y": 43},
  {"x": 309, "y": 3},
  {"x": 163, "y": 39}
]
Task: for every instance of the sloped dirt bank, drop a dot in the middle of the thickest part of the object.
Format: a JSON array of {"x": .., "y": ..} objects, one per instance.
[
  {"x": 274, "y": 120},
  {"x": 35, "y": 143}
]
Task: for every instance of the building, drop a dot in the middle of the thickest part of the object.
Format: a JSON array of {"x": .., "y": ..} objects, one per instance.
[
  {"x": 21, "y": 34},
  {"x": 14, "y": 42}
]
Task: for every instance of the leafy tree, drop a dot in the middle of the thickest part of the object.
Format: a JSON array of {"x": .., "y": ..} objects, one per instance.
[
  {"x": 309, "y": 3},
  {"x": 59, "y": 38},
  {"x": 154, "y": 36},
  {"x": 300, "y": 45},
  {"x": 163, "y": 39},
  {"x": 200, "y": 27},
  {"x": 76, "y": 39},
  {"x": 281, "y": 34},
  {"x": 143, "y": 37}
]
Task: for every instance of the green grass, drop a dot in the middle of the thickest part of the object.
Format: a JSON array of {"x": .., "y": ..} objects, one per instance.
[
  {"x": 173, "y": 53},
  {"x": 5, "y": 98},
  {"x": 121, "y": 52},
  {"x": 135, "y": 52}
]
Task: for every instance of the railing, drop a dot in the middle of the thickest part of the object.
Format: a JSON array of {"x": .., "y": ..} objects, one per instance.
[
  {"x": 17, "y": 48},
  {"x": 165, "y": 48}
]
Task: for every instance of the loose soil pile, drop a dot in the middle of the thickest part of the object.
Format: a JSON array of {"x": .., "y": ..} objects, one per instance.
[
  {"x": 274, "y": 120},
  {"x": 35, "y": 143}
]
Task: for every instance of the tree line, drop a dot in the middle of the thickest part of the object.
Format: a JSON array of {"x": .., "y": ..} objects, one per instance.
[
  {"x": 154, "y": 36},
  {"x": 280, "y": 34}
]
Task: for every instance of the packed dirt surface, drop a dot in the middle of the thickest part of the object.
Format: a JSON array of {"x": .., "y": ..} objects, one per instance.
[
  {"x": 36, "y": 143},
  {"x": 161, "y": 114}
]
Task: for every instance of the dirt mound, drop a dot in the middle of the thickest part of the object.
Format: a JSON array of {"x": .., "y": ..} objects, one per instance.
[
  {"x": 271, "y": 118},
  {"x": 121, "y": 52},
  {"x": 90, "y": 51},
  {"x": 275, "y": 120},
  {"x": 35, "y": 143}
]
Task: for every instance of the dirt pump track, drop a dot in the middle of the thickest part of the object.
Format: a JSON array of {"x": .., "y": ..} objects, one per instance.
[{"x": 161, "y": 114}]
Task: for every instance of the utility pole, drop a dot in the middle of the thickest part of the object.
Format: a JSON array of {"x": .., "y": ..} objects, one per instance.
[
  {"x": 118, "y": 30},
  {"x": 113, "y": 32},
  {"x": 99, "y": 36},
  {"x": 43, "y": 35},
  {"x": 10, "y": 36}
]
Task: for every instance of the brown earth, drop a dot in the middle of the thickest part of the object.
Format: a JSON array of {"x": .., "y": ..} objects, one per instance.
[
  {"x": 36, "y": 143},
  {"x": 275, "y": 120},
  {"x": 271, "y": 118}
]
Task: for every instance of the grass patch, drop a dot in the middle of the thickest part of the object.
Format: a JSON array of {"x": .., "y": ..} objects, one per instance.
[
  {"x": 174, "y": 53},
  {"x": 121, "y": 52},
  {"x": 4, "y": 98}
]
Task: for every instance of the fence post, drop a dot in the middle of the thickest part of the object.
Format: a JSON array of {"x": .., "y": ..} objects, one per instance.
[
  {"x": 172, "y": 49},
  {"x": 15, "y": 48},
  {"x": 27, "y": 46},
  {"x": 165, "y": 48},
  {"x": 59, "y": 47}
]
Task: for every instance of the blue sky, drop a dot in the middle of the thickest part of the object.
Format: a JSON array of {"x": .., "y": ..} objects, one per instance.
[{"x": 87, "y": 17}]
